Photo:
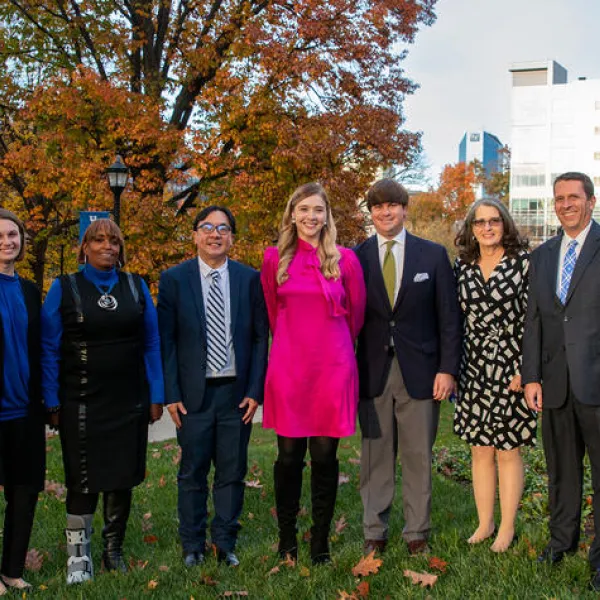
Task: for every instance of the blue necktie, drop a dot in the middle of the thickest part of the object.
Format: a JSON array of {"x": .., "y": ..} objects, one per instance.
[
  {"x": 567, "y": 270},
  {"x": 215, "y": 325}
]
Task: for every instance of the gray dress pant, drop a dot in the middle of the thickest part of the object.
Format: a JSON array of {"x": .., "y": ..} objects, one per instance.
[{"x": 391, "y": 423}]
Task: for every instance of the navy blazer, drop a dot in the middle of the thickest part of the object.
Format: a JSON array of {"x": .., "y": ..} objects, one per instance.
[
  {"x": 182, "y": 325},
  {"x": 561, "y": 344},
  {"x": 424, "y": 323}
]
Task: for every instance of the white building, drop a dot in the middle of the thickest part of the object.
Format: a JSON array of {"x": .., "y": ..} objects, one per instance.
[{"x": 555, "y": 128}]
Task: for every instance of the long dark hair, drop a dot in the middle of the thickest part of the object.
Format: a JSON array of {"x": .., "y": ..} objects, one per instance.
[{"x": 512, "y": 241}]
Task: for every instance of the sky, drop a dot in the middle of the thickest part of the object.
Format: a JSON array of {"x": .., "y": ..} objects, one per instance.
[{"x": 461, "y": 64}]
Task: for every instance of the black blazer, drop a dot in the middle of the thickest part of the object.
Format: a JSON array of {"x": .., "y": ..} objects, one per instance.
[
  {"x": 561, "y": 344},
  {"x": 425, "y": 322},
  {"x": 182, "y": 325}
]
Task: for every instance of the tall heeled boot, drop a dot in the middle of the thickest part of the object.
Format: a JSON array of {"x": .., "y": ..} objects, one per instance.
[
  {"x": 79, "y": 548},
  {"x": 288, "y": 487},
  {"x": 117, "y": 506},
  {"x": 324, "y": 485}
]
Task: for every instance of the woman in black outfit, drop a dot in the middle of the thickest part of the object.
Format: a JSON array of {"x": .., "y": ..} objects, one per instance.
[
  {"x": 22, "y": 436},
  {"x": 101, "y": 358}
]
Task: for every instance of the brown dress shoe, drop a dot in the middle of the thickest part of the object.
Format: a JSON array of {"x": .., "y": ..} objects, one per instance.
[
  {"x": 418, "y": 547},
  {"x": 377, "y": 546}
]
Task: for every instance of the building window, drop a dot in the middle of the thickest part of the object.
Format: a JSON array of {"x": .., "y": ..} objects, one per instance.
[
  {"x": 475, "y": 137},
  {"x": 529, "y": 180}
]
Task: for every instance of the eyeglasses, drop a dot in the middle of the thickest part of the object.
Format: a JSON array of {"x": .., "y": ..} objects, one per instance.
[
  {"x": 222, "y": 229},
  {"x": 482, "y": 223}
]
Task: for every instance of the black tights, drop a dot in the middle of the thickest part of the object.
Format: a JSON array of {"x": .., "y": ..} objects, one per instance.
[
  {"x": 79, "y": 503},
  {"x": 18, "y": 521},
  {"x": 292, "y": 451}
]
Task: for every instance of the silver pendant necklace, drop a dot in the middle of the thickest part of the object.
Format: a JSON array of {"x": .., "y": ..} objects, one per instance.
[{"x": 107, "y": 301}]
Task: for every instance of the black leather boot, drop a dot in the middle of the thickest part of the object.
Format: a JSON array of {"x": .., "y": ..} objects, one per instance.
[
  {"x": 288, "y": 487},
  {"x": 324, "y": 485},
  {"x": 116, "y": 513}
]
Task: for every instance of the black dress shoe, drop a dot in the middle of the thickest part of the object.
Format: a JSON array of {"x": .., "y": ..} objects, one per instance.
[
  {"x": 595, "y": 580},
  {"x": 229, "y": 558},
  {"x": 193, "y": 559},
  {"x": 551, "y": 556}
]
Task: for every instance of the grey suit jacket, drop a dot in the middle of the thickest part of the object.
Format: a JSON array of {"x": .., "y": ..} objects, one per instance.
[{"x": 561, "y": 344}]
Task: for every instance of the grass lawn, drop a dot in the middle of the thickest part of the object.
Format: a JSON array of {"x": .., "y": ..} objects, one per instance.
[{"x": 157, "y": 570}]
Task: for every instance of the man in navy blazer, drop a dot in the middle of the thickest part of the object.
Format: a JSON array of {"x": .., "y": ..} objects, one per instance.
[
  {"x": 214, "y": 340},
  {"x": 561, "y": 363},
  {"x": 408, "y": 358}
]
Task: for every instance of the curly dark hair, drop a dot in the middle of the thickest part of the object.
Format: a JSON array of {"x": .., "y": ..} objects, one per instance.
[{"x": 512, "y": 241}]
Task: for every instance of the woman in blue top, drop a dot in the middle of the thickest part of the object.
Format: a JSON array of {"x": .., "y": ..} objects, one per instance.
[
  {"x": 101, "y": 361},
  {"x": 22, "y": 439}
]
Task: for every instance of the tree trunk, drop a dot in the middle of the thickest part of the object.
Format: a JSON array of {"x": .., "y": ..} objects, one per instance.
[{"x": 37, "y": 262}]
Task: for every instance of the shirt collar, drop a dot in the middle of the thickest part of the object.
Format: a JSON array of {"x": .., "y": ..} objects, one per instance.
[
  {"x": 580, "y": 237},
  {"x": 399, "y": 239},
  {"x": 206, "y": 270}
]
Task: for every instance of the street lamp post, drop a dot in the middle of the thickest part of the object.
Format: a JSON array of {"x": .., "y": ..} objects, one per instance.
[{"x": 117, "y": 173}]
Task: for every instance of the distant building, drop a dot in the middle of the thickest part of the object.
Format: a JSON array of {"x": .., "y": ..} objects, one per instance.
[
  {"x": 483, "y": 147},
  {"x": 555, "y": 128}
]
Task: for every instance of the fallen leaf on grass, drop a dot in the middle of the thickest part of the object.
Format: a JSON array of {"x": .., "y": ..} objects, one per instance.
[
  {"x": 163, "y": 568},
  {"x": 208, "y": 580},
  {"x": 147, "y": 516},
  {"x": 229, "y": 594},
  {"x": 343, "y": 478},
  {"x": 344, "y": 595},
  {"x": 162, "y": 481},
  {"x": 168, "y": 446},
  {"x": 304, "y": 572},
  {"x": 438, "y": 564},
  {"x": 273, "y": 571},
  {"x": 53, "y": 487},
  {"x": 42, "y": 587},
  {"x": 367, "y": 565},
  {"x": 250, "y": 516},
  {"x": 254, "y": 483},
  {"x": 303, "y": 511},
  {"x": 273, "y": 512},
  {"x": 34, "y": 560},
  {"x": 288, "y": 561},
  {"x": 156, "y": 454},
  {"x": 423, "y": 579},
  {"x": 153, "y": 584},
  {"x": 137, "y": 564},
  {"x": 362, "y": 589},
  {"x": 341, "y": 524},
  {"x": 354, "y": 461},
  {"x": 177, "y": 458},
  {"x": 306, "y": 536},
  {"x": 150, "y": 539}
]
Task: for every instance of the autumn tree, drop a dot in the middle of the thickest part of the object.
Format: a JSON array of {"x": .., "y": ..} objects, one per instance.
[
  {"x": 457, "y": 189},
  {"x": 256, "y": 95}
]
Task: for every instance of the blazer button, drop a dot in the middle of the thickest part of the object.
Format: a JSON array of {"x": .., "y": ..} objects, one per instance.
[
  {"x": 392, "y": 323},
  {"x": 567, "y": 319}
]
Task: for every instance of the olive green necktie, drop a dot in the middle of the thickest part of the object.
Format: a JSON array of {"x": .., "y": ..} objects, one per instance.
[{"x": 389, "y": 271}]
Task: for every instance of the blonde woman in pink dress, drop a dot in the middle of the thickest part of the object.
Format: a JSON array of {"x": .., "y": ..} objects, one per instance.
[{"x": 315, "y": 295}]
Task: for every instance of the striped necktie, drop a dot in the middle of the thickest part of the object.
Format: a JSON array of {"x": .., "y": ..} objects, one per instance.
[
  {"x": 215, "y": 324},
  {"x": 567, "y": 270}
]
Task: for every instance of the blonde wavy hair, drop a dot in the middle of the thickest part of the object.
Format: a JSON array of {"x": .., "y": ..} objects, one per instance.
[{"x": 328, "y": 254}]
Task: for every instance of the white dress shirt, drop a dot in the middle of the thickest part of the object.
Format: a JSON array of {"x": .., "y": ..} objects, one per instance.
[
  {"x": 398, "y": 252},
  {"x": 206, "y": 280},
  {"x": 564, "y": 244}
]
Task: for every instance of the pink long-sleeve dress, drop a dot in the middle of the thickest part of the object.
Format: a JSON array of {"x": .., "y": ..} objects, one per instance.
[{"x": 312, "y": 377}]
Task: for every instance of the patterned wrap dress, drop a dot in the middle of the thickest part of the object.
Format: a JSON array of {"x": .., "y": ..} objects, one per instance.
[{"x": 487, "y": 413}]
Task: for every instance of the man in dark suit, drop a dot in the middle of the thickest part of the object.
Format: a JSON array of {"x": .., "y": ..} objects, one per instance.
[
  {"x": 408, "y": 357},
  {"x": 561, "y": 362},
  {"x": 214, "y": 340}
]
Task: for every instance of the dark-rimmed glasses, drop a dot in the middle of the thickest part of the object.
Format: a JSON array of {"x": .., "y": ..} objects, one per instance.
[{"x": 221, "y": 229}]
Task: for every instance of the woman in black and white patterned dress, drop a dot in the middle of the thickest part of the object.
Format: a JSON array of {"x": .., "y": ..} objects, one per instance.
[{"x": 491, "y": 412}]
